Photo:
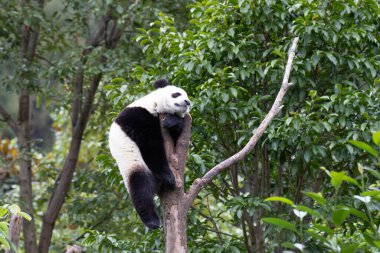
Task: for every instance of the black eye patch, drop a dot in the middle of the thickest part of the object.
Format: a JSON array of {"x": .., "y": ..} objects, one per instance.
[{"x": 175, "y": 95}]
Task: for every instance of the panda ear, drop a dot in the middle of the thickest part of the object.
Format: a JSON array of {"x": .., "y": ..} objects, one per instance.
[{"x": 160, "y": 84}]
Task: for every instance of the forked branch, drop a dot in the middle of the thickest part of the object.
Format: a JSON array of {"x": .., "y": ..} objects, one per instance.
[{"x": 200, "y": 183}]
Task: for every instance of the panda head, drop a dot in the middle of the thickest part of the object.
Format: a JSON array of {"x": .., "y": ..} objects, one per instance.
[{"x": 170, "y": 99}]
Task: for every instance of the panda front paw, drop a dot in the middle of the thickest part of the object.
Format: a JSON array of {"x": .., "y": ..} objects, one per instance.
[{"x": 172, "y": 120}]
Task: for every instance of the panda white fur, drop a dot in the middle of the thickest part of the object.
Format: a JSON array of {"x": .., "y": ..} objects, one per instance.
[{"x": 136, "y": 143}]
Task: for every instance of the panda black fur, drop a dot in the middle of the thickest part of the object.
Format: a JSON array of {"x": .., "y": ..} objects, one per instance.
[{"x": 136, "y": 143}]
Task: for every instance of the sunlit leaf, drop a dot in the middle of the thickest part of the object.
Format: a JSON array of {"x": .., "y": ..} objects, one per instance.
[
  {"x": 337, "y": 178},
  {"x": 280, "y": 223},
  {"x": 316, "y": 196},
  {"x": 365, "y": 147},
  {"x": 15, "y": 209},
  {"x": 376, "y": 138},
  {"x": 280, "y": 199},
  {"x": 3, "y": 211},
  {"x": 26, "y": 216}
]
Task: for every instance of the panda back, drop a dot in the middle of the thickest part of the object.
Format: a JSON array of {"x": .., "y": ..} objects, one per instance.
[{"x": 126, "y": 153}]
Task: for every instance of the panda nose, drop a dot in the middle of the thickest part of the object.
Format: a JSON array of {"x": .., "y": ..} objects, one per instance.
[{"x": 187, "y": 102}]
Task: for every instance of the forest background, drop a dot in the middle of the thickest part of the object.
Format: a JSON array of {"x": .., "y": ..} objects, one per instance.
[{"x": 310, "y": 185}]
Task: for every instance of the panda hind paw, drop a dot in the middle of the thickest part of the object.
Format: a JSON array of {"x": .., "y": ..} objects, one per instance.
[{"x": 168, "y": 181}]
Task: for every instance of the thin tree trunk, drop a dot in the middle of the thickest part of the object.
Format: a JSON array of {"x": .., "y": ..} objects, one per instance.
[
  {"x": 63, "y": 181},
  {"x": 58, "y": 196},
  {"x": 14, "y": 230},
  {"x": 81, "y": 110},
  {"x": 28, "y": 49},
  {"x": 26, "y": 192}
]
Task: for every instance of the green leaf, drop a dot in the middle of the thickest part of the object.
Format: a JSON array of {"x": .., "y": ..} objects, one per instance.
[
  {"x": 358, "y": 214},
  {"x": 337, "y": 178},
  {"x": 365, "y": 147},
  {"x": 316, "y": 197},
  {"x": 332, "y": 58},
  {"x": 25, "y": 215},
  {"x": 309, "y": 211},
  {"x": 280, "y": 223},
  {"x": 351, "y": 180},
  {"x": 3, "y": 211},
  {"x": 4, "y": 241},
  {"x": 234, "y": 249},
  {"x": 316, "y": 236},
  {"x": 15, "y": 209},
  {"x": 376, "y": 138},
  {"x": 197, "y": 159},
  {"x": 323, "y": 228},
  {"x": 350, "y": 248},
  {"x": 339, "y": 216},
  {"x": 374, "y": 173},
  {"x": 306, "y": 156},
  {"x": 4, "y": 226},
  {"x": 370, "y": 193},
  {"x": 225, "y": 97},
  {"x": 314, "y": 59},
  {"x": 280, "y": 199},
  {"x": 233, "y": 92}
]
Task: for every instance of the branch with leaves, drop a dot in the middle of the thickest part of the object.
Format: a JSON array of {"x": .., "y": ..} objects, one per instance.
[
  {"x": 200, "y": 183},
  {"x": 176, "y": 203}
]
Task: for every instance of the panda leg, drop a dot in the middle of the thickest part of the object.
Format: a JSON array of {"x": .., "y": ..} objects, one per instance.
[
  {"x": 142, "y": 188},
  {"x": 153, "y": 153}
]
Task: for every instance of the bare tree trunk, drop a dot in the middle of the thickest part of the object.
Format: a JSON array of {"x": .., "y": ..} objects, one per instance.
[
  {"x": 174, "y": 202},
  {"x": 28, "y": 49},
  {"x": 58, "y": 196},
  {"x": 174, "y": 221},
  {"x": 26, "y": 192},
  {"x": 14, "y": 230},
  {"x": 63, "y": 181}
]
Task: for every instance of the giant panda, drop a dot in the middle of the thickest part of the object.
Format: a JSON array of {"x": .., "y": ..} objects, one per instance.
[{"x": 136, "y": 143}]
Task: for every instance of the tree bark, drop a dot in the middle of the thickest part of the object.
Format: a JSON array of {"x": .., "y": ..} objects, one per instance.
[
  {"x": 14, "y": 230},
  {"x": 174, "y": 202},
  {"x": 26, "y": 192}
]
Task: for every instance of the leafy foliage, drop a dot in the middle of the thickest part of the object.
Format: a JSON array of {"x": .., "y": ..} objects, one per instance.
[{"x": 345, "y": 221}]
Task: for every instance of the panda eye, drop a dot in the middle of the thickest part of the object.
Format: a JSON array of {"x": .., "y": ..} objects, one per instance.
[{"x": 175, "y": 95}]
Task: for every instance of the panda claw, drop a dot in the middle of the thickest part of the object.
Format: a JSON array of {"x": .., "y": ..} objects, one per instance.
[{"x": 153, "y": 224}]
